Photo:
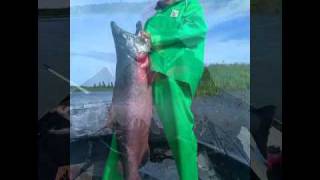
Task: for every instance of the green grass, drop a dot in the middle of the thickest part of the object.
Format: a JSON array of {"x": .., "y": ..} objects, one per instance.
[{"x": 224, "y": 77}]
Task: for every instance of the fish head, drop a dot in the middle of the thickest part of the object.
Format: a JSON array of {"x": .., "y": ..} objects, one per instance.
[{"x": 129, "y": 44}]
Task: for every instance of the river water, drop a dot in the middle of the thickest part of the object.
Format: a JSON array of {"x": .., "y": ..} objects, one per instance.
[{"x": 88, "y": 112}]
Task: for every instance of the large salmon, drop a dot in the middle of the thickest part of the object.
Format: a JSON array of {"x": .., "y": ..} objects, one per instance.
[{"x": 131, "y": 108}]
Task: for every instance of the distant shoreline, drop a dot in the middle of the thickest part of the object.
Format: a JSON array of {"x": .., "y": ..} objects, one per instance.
[
  {"x": 91, "y": 89},
  {"x": 216, "y": 78}
]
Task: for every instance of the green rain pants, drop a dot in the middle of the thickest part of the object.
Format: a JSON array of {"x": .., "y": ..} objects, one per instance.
[
  {"x": 172, "y": 100},
  {"x": 111, "y": 170}
]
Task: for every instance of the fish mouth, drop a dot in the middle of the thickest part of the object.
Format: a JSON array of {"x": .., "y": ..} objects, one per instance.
[
  {"x": 127, "y": 42},
  {"x": 115, "y": 28},
  {"x": 120, "y": 34}
]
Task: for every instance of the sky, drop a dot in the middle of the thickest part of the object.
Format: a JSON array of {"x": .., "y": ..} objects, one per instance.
[{"x": 92, "y": 47}]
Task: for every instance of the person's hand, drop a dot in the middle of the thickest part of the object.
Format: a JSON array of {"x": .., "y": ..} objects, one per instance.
[
  {"x": 146, "y": 36},
  {"x": 147, "y": 39}
]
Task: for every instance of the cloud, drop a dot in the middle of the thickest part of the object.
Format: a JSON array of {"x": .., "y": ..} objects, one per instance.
[
  {"x": 82, "y": 68},
  {"x": 228, "y": 51},
  {"x": 228, "y": 38},
  {"x": 235, "y": 29},
  {"x": 218, "y": 12},
  {"x": 101, "y": 56},
  {"x": 88, "y": 2},
  {"x": 85, "y": 64},
  {"x": 92, "y": 44}
]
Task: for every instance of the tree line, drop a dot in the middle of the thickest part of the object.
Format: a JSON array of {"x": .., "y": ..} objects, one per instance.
[{"x": 103, "y": 85}]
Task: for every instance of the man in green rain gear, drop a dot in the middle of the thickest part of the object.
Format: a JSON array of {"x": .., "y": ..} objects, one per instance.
[{"x": 177, "y": 33}]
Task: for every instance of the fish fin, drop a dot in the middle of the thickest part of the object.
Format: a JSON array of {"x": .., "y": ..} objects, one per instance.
[{"x": 138, "y": 27}]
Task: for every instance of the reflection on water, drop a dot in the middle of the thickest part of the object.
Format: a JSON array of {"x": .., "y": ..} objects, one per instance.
[
  {"x": 88, "y": 112},
  {"x": 78, "y": 98}
]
